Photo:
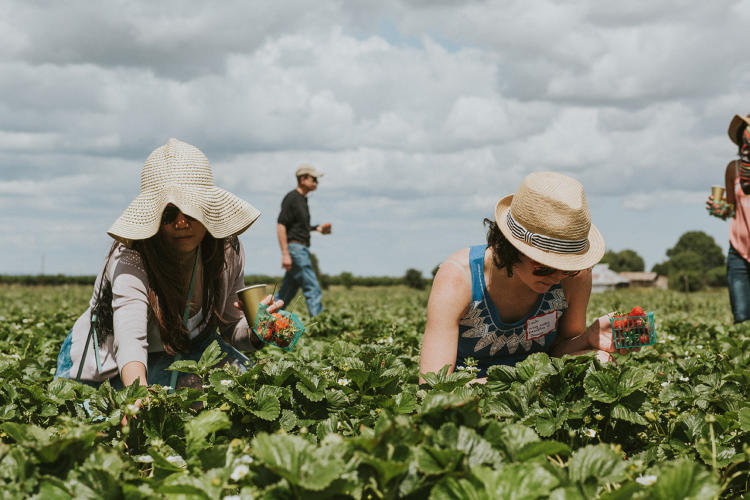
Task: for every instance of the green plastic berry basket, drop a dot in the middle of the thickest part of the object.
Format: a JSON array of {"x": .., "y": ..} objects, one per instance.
[
  {"x": 633, "y": 331},
  {"x": 283, "y": 332}
]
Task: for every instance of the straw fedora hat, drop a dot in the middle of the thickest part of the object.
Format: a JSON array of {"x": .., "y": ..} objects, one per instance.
[
  {"x": 180, "y": 174},
  {"x": 547, "y": 219},
  {"x": 735, "y": 125}
]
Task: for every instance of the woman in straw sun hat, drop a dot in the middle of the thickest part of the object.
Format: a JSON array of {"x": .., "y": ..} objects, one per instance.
[
  {"x": 736, "y": 206},
  {"x": 169, "y": 281},
  {"x": 526, "y": 290}
]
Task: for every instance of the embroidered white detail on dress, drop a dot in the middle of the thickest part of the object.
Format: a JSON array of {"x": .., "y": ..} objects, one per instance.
[
  {"x": 474, "y": 320},
  {"x": 558, "y": 299}
]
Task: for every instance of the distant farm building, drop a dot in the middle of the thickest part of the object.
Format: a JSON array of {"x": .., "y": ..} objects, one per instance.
[
  {"x": 603, "y": 278},
  {"x": 645, "y": 280}
]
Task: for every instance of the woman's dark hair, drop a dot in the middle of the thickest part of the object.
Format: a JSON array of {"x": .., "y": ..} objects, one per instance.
[
  {"x": 504, "y": 255},
  {"x": 168, "y": 287}
]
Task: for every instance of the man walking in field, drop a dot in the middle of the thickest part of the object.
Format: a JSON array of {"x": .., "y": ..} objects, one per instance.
[{"x": 293, "y": 229}]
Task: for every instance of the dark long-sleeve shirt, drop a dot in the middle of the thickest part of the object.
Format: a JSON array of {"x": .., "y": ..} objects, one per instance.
[{"x": 295, "y": 216}]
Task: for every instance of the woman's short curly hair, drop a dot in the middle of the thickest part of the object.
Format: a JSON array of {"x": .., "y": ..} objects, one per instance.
[{"x": 504, "y": 255}]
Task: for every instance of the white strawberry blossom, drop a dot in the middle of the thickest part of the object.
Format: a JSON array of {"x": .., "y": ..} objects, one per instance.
[
  {"x": 176, "y": 460},
  {"x": 684, "y": 379},
  {"x": 343, "y": 381},
  {"x": 664, "y": 384},
  {"x": 144, "y": 459},
  {"x": 588, "y": 432},
  {"x": 226, "y": 382},
  {"x": 239, "y": 472},
  {"x": 646, "y": 480}
]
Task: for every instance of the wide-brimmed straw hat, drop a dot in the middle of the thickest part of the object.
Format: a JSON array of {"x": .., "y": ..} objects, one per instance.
[
  {"x": 548, "y": 220},
  {"x": 180, "y": 174},
  {"x": 737, "y": 123}
]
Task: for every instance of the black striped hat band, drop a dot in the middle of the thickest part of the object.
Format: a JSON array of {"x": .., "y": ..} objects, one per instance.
[{"x": 545, "y": 242}]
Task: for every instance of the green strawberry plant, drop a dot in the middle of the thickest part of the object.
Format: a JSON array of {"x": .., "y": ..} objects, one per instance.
[{"x": 343, "y": 416}]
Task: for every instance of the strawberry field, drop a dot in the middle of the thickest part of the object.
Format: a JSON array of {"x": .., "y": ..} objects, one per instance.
[{"x": 342, "y": 416}]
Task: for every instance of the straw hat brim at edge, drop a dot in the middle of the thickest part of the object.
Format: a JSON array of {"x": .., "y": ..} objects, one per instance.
[
  {"x": 222, "y": 213},
  {"x": 738, "y": 121},
  {"x": 564, "y": 261}
]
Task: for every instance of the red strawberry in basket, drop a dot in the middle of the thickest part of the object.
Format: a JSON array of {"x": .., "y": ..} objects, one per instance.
[{"x": 637, "y": 311}]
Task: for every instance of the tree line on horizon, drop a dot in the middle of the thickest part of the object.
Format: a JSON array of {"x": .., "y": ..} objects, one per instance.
[{"x": 694, "y": 263}]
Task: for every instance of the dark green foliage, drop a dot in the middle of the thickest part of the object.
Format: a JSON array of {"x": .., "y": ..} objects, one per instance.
[
  {"x": 413, "y": 279},
  {"x": 694, "y": 263},
  {"x": 624, "y": 260},
  {"x": 347, "y": 280},
  {"x": 703, "y": 245},
  {"x": 717, "y": 276}
]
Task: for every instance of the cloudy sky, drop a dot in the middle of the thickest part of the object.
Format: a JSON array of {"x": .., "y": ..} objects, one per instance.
[{"x": 422, "y": 114}]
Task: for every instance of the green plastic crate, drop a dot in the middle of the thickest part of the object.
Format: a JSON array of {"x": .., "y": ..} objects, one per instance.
[
  {"x": 284, "y": 338},
  {"x": 633, "y": 331}
]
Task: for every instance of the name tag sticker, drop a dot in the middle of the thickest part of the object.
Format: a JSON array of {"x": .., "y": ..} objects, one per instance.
[{"x": 541, "y": 325}]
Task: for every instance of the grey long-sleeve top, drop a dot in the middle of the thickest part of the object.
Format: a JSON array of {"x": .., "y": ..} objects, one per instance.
[{"x": 135, "y": 335}]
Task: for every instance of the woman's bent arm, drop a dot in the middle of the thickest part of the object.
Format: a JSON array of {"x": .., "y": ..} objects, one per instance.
[
  {"x": 131, "y": 371},
  {"x": 449, "y": 299}
]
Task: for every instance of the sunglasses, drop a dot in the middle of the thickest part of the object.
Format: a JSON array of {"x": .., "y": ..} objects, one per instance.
[
  {"x": 170, "y": 215},
  {"x": 542, "y": 270},
  {"x": 314, "y": 179}
]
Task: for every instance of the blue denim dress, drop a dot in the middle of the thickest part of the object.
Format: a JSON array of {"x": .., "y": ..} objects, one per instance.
[{"x": 483, "y": 336}]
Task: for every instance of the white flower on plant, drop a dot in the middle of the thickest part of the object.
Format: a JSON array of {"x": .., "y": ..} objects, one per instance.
[
  {"x": 206, "y": 386},
  {"x": 699, "y": 346},
  {"x": 646, "y": 480},
  {"x": 664, "y": 384},
  {"x": 226, "y": 382},
  {"x": 588, "y": 432},
  {"x": 176, "y": 460},
  {"x": 144, "y": 459},
  {"x": 245, "y": 459},
  {"x": 386, "y": 340},
  {"x": 684, "y": 379},
  {"x": 239, "y": 472},
  {"x": 671, "y": 337},
  {"x": 343, "y": 381}
]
